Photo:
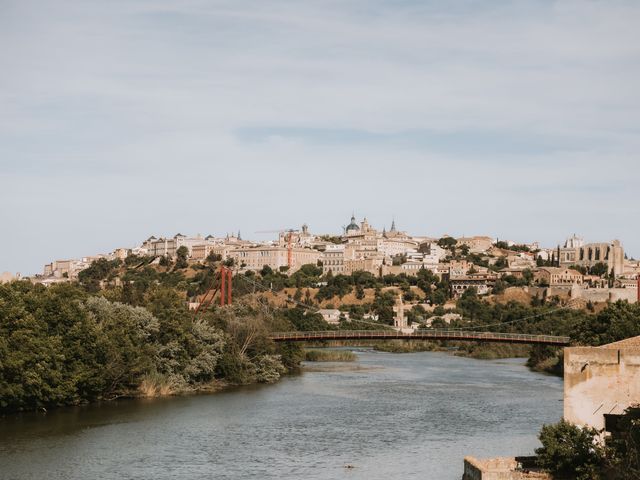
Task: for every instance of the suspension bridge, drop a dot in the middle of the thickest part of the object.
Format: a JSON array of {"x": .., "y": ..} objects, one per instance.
[
  {"x": 222, "y": 284},
  {"x": 431, "y": 334}
]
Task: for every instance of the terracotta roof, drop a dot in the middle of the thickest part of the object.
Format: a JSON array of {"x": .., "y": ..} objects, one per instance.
[{"x": 632, "y": 342}]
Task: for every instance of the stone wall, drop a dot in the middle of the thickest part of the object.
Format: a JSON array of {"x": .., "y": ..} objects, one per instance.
[
  {"x": 500, "y": 468},
  {"x": 598, "y": 381},
  {"x": 600, "y": 295}
]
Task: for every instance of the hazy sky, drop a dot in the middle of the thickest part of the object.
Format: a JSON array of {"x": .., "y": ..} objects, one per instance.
[{"x": 122, "y": 119}]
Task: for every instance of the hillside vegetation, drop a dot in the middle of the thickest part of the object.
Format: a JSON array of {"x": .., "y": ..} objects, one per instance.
[{"x": 124, "y": 328}]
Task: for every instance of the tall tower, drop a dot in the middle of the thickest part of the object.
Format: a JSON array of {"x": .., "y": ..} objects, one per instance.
[{"x": 400, "y": 321}]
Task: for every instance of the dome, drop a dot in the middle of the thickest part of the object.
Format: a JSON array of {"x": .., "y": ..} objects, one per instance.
[{"x": 353, "y": 226}]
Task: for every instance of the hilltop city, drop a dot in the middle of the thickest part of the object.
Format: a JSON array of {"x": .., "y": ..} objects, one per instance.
[{"x": 585, "y": 273}]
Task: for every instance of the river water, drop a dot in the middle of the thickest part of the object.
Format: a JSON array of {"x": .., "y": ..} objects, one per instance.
[{"x": 389, "y": 416}]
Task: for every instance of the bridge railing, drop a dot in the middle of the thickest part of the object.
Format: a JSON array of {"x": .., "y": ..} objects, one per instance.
[{"x": 439, "y": 334}]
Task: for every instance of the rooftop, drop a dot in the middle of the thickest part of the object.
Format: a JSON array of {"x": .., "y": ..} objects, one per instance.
[{"x": 632, "y": 342}]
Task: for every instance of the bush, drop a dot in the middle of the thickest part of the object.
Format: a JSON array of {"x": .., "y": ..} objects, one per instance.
[{"x": 570, "y": 452}]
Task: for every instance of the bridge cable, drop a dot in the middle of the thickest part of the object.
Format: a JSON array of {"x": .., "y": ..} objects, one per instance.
[{"x": 315, "y": 309}]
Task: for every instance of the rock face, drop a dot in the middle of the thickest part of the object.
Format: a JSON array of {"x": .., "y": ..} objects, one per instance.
[
  {"x": 600, "y": 381},
  {"x": 500, "y": 468}
]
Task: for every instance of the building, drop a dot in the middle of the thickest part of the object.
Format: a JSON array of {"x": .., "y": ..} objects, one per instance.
[
  {"x": 576, "y": 252},
  {"x": 331, "y": 315},
  {"x": 557, "y": 277},
  {"x": 68, "y": 269},
  {"x": 601, "y": 382},
  {"x": 332, "y": 259},
  {"x": 167, "y": 247},
  {"x": 482, "y": 282},
  {"x": 7, "y": 277},
  {"x": 400, "y": 320},
  {"x": 477, "y": 244},
  {"x": 121, "y": 253},
  {"x": 275, "y": 257},
  {"x": 502, "y": 468}
]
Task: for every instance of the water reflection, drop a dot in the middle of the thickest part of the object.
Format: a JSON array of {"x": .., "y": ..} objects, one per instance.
[{"x": 389, "y": 416}]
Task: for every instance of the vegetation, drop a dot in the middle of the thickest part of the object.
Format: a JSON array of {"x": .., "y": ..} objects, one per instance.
[
  {"x": 63, "y": 346},
  {"x": 572, "y": 452},
  {"x": 124, "y": 327},
  {"x": 403, "y": 346},
  {"x": 317, "y": 355},
  {"x": 616, "y": 322}
]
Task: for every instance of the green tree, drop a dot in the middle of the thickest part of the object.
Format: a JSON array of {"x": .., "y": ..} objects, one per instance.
[
  {"x": 616, "y": 322},
  {"x": 447, "y": 243},
  {"x": 182, "y": 253},
  {"x": 624, "y": 446},
  {"x": 101, "y": 269},
  {"x": 600, "y": 269},
  {"x": 570, "y": 452}
]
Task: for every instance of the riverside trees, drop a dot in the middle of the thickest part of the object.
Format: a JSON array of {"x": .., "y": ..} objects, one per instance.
[{"x": 61, "y": 346}]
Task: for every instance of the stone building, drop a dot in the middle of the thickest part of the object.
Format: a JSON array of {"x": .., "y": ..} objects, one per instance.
[
  {"x": 332, "y": 259},
  {"x": 332, "y": 315},
  {"x": 7, "y": 277},
  {"x": 275, "y": 257},
  {"x": 501, "y": 468},
  {"x": 168, "y": 247},
  {"x": 67, "y": 268},
  {"x": 557, "y": 277},
  {"x": 477, "y": 244},
  {"x": 482, "y": 282},
  {"x": 601, "y": 382},
  {"x": 576, "y": 252}
]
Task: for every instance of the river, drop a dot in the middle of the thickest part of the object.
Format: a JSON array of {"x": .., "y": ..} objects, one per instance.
[{"x": 389, "y": 416}]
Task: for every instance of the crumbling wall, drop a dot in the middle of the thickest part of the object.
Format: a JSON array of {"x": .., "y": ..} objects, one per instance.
[{"x": 599, "y": 380}]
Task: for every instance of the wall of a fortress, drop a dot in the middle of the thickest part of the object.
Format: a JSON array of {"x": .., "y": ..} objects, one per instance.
[
  {"x": 598, "y": 295},
  {"x": 599, "y": 380},
  {"x": 595, "y": 295}
]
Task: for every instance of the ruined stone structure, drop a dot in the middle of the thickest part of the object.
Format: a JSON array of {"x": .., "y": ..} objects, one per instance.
[
  {"x": 601, "y": 381},
  {"x": 500, "y": 468}
]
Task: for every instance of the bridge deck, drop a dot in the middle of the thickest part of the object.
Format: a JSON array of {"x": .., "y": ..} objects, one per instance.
[{"x": 436, "y": 334}]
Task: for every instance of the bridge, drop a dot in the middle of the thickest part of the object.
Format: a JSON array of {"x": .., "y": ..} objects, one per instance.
[{"x": 435, "y": 334}]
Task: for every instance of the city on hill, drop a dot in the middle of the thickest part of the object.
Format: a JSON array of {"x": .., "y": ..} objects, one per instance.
[
  {"x": 583, "y": 273},
  {"x": 198, "y": 314}
]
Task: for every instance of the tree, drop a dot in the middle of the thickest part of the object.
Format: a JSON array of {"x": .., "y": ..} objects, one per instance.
[
  {"x": 213, "y": 257},
  {"x": 616, "y": 322},
  {"x": 600, "y": 269},
  {"x": 182, "y": 253},
  {"x": 99, "y": 270},
  {"x": 500, "y": 263},
  {"x": 470, "y": 304},
  {"x": 360, "y": 292},
  {"x": 571, "y": 452},
  {"x": 624, "y": 447},
  {"x": 448, "y": 243}
]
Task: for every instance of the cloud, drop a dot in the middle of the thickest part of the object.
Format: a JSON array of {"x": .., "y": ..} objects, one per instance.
[{"x": 221, "y": 115}]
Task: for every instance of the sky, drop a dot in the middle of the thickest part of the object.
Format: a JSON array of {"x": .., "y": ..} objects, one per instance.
[{"x": 124, "y": 119}]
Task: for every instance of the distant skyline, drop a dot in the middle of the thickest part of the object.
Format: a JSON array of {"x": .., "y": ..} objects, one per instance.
[{"x": 123, "y": 119}]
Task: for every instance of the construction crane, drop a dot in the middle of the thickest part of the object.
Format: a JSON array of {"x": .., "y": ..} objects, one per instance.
[{"x": 289, "y": 240}]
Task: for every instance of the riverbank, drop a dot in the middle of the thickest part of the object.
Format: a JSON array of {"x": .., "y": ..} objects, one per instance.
[
  {"x": 547, "y": 360},
  {"x": 409, "y": 416},
  {"x": 318, "y": 355}
]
